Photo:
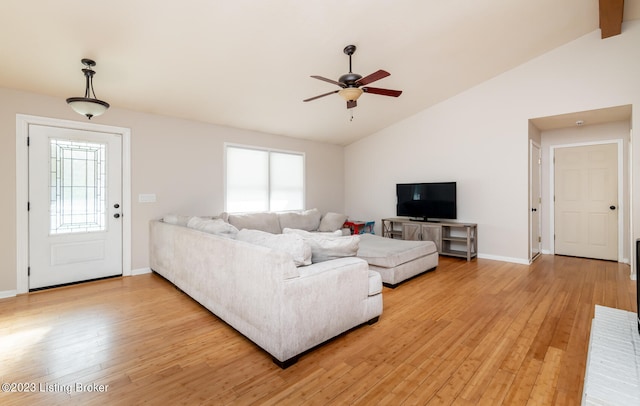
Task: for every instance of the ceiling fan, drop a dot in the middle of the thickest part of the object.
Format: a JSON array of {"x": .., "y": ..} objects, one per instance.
[{"x": 351, "y": 83}]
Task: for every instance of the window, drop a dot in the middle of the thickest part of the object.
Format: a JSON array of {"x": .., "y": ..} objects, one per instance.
[
  {"x": 263, "y": 180},
  {"x": 77, "y": 184}
]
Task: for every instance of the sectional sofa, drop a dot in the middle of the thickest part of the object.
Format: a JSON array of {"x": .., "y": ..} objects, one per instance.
[
  {"x": 280, "y": 300},
  {"x": 287, "y": 281}
]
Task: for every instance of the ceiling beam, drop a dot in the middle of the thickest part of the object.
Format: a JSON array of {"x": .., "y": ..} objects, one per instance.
[{"x": 611, "y": 17}]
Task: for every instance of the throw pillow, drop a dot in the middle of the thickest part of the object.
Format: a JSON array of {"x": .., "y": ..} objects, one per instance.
[
  {"x": 291, "y": 244},
  {"x": 327, "y": 246},
  {"x": 213, "y": 226},
  {"x": 332, "y": 221},
  {"x": 306, "y": 220}
]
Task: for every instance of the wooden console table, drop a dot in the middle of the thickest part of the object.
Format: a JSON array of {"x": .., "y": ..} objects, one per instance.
[{"x": 451, "y": 238}]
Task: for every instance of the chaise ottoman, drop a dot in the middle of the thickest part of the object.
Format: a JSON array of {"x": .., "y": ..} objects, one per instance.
[{"x": 397, "y": 260}]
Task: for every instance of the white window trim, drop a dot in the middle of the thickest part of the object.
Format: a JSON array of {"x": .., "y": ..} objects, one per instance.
[{"x": 265, "y": 149}]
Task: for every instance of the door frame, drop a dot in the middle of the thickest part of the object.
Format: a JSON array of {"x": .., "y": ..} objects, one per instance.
[
  {"x": 22, "y": 189},
  {"x": 535, "y": 164},
  {"x": 621, "y": 187}
]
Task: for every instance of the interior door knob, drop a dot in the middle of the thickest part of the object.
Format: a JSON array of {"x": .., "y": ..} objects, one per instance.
[
  {"x": 612, "y": 207},
  {"x": 117, "y": 215}
]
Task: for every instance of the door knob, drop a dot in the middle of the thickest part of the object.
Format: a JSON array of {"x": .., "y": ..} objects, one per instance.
[
  {"x": 117, "y": 215},
  {"x": 116, "y": 206},
  {"x": 612, "y": 207}
]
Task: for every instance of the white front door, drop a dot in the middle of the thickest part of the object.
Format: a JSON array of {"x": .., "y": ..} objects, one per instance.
[
  {"x": 586, "y": 201},
  {"x": 75, "y": 198}
]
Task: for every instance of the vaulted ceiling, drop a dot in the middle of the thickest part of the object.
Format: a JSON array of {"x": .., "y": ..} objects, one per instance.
[{"x": 246, "y": 63}]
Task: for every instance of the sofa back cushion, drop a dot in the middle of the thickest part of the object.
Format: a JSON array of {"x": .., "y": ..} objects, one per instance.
[
  {"x": 331, "y": 222},
  {"x": 267, "y": 221},
  {"x": 292, "y": 244},
  {"x": 308, "y": 220}
]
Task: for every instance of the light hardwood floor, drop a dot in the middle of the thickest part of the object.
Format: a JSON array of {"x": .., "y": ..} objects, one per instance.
[{"x": 483, "y": 332}]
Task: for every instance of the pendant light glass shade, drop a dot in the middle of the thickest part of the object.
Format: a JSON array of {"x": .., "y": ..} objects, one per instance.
[{"x": 87, "y": 105}]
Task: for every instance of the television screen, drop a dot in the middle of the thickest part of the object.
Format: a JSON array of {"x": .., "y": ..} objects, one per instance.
[{"x": 426, "y": 200}]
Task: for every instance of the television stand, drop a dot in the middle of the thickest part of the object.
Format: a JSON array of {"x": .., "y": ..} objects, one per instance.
[
  {"x": 424, "y": 220},
  {"x": 451, "y": 238}
]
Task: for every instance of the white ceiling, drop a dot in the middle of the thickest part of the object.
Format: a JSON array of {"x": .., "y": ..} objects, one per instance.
[{"x": 246, "y": 63}]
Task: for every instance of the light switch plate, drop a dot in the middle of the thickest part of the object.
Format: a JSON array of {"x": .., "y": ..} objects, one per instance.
[{"x": 147, "y": 198}]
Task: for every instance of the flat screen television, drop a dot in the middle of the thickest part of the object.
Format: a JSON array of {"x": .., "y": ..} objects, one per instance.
[{"x": 426, "y": 201}]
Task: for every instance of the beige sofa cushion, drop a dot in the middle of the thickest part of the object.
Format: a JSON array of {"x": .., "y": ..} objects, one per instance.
[
  {"x": 308, "y": 220},
  {"x": 331, "y": 222},
  {"x": 388, "y": 253},
  {"x": 267, "y": 221},
  {"x": 291, "y": 244},
  {"x": 375, "y": 283}
]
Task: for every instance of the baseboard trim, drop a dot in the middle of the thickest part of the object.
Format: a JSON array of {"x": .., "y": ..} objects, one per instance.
[
  {"x": 140, "y": 271},
  {"x": 8, "y": 293},
  {"x": 505, "y": 259}
]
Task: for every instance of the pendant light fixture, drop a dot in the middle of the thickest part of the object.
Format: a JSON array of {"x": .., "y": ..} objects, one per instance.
[{"x": 87, "y": 105}]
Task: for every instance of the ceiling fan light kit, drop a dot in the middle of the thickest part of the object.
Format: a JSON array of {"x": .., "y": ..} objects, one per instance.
[
  {"x": 350, "y": 93},
  {"x": 351, "y": 83},
  {"x": 88, "y": 106}
]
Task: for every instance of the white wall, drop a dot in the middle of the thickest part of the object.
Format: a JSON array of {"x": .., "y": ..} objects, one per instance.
[
  {"x": 180, "y": 161},
  {"x": 479, "y": 138}
]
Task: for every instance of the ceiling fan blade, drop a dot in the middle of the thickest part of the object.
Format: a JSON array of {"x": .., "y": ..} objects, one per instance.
[
  {"x": 351, "y": 104},
  {"x": 384, "y": 92},
  {"x": 373, "y": 77},
  {"x": 322, "y": 95},
  {"x": 328, "y": 80}
]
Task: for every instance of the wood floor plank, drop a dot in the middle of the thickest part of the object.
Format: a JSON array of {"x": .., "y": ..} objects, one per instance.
[
  {"x": 522, "y": 385},
  {"x": 438, "y": 374},
  {"x": 497, "y": 389},
  {"x": 480, "y": 332},
  {"x": 544, "y": 390},
  {"x": 363, "y": 386},
  {"x": 328, "y": 393}
]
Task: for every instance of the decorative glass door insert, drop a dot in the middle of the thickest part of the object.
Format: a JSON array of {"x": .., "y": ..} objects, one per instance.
[{"x": 77, "y": 186}]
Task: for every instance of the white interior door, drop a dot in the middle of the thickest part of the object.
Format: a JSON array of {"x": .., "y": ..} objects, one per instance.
[
  {"x": 75, "y": 192},
  {"x": 535, "y": 223},
  {"x": 586, "y": 201}
]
